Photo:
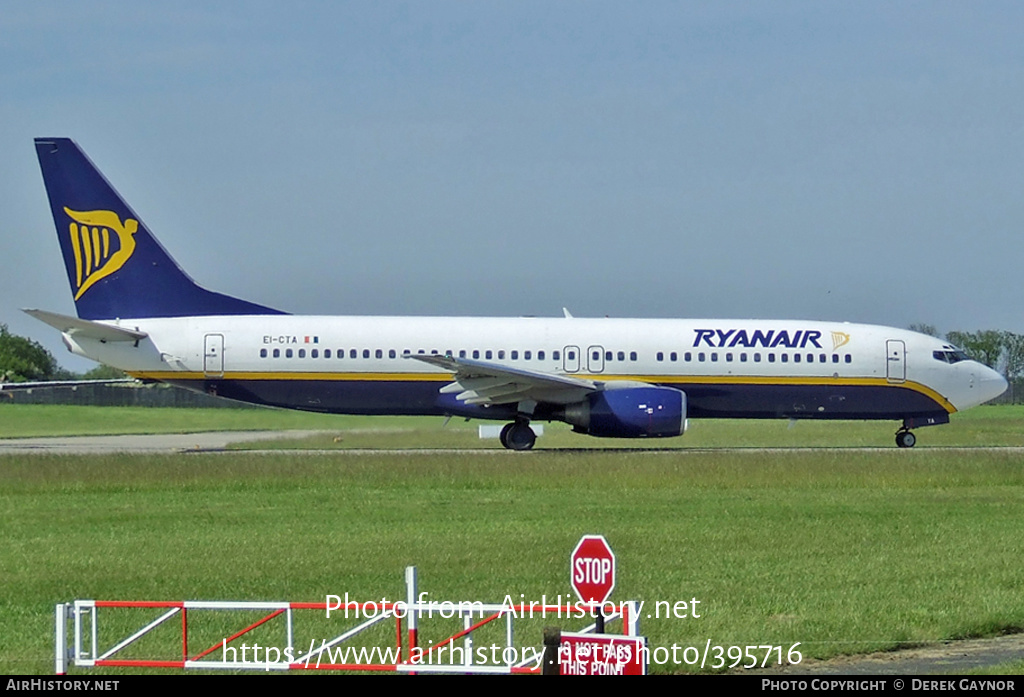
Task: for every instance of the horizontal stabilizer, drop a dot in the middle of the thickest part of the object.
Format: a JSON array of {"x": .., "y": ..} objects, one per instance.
[
  {"x": 10, "y": 386},
  {"x": 86, "y": 329}
]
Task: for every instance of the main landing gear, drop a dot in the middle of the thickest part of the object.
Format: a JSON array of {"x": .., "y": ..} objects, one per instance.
[
  {"x": 905, "y": 438},
  {"x": 518, "y": 435}
]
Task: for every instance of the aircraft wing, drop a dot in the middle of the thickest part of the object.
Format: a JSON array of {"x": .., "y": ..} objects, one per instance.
[
  {"x": 479, "y": 382},
  {"x": 85, "y": 328}
]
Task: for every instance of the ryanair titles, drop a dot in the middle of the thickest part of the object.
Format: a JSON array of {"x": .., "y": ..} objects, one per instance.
[{"x": 731, "y": 338}]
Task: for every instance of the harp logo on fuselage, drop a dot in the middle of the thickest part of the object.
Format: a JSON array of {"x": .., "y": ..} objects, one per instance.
[{"x": 98, "y": 253}]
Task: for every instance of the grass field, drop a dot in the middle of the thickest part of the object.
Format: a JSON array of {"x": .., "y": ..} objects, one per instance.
[
  {"x": 985, "y": 426},
  {"x": 844, "y": 551},
  {"x": 32, "y": 420}
]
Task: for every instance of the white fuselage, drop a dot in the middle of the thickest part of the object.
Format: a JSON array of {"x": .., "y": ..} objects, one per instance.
[{"x": 736, "y": 368}]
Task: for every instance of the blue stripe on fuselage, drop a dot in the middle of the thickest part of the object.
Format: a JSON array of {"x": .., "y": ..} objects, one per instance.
[{"x": 704, "y": 400}]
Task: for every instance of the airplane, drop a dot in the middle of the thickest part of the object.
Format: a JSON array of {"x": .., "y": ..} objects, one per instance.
[{"x": 617, "y": 378}]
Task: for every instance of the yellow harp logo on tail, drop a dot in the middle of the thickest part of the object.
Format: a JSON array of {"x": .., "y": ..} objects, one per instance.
[
  {"x": 96, "y": 254},
  {"x": 839, "y": 339}
]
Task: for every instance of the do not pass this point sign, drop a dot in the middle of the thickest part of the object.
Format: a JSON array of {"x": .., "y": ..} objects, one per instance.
[{"x": 592, "y": 569}]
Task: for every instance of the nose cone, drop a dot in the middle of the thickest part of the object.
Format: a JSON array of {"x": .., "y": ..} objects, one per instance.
[
  {"x": 990, "y": 385},
  {"x": 975, "y": 384}
]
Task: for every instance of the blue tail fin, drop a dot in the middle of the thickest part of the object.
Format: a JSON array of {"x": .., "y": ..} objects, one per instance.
[{"x": 116, "y": 268}]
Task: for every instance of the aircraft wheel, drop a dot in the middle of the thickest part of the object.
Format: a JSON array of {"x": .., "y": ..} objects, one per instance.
[
  {"x": 519, "y": 437},
  {"x": 503, "y": 436},
  {"x": 905, "y": 439}
]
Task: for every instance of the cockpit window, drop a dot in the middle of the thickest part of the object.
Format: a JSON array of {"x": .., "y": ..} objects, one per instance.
[{"x": 950, "y": 354}]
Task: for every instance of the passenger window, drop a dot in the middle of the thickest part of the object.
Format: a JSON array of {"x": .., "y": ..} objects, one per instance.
[
  {"x": 462, "y": 353},
  {"x": 632, "y": 355},
  {"x": 476, "y": 353},
  {"x": 314, "y": 354},
  {"x": 501, "y": 355},
  {"x": 488, "y": 354},
  {"x": 660, "y": 356},
  {"x": 771, "y": 357},
  {"x": 784, "y": 357},
  {"x": 757, "y": 358},
  {"x": 622, "y": 355},
  {"x": 392, "y": 353},
  {"x": 288, "y": 353},
  {"x": 743, "y": 358},
  {"x": 327, "y": 353},
  {"x": 796, "y": 358},
  {"x": 687, "y": 356},
  {"x": 714, "y": 358},
  {"x": 835, "y": 357},
  {"x": 353, "y": 354},
  {"x": 555, "y": 355},
  {"x": 673, "y": 356},
  {"x": 848, "y": 358},
  {"x": 277, "y": 353},
  {"x": 379, "y": 353},
  {"x": 728, "y": 358},
  {"x": 263, "y": 353},
  {"x": 514, "y": 355},
  {"x": 700, "y": 356},
  {"x": 526, "y": 355}
]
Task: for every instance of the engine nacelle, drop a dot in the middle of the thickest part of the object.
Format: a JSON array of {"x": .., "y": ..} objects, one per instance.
[{"x": 632, "y": 412}]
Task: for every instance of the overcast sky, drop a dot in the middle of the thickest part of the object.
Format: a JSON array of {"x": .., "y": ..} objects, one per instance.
[{"x": 844, "y": 161}]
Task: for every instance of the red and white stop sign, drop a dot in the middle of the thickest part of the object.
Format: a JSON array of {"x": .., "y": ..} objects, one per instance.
[{"x": 592, "y": 569}]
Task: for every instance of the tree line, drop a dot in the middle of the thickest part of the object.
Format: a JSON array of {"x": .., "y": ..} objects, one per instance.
[
  {"x": 25, "y": 360},
  {"x": 1000, "y": 350}
]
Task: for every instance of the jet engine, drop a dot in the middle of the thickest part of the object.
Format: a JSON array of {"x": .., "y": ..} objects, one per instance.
[{"x": 632, "y": 412}]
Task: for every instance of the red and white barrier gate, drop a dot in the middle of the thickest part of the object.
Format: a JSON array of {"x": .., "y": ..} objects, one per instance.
[{"x": 286, "y": 652}]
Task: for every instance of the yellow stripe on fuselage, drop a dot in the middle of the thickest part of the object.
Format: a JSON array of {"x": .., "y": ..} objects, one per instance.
[{"x": 763, "y": 380}]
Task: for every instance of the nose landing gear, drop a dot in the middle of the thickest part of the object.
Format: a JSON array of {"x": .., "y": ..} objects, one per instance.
[{"x": 905, "y": 438}]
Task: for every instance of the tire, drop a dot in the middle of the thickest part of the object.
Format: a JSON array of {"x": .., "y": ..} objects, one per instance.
[
  {"x": 520, "y": 437},
  {"x": 905, "y": 439},
  {"x": 503, "y": 436}
]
